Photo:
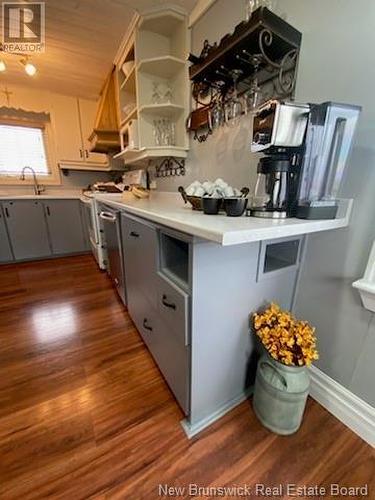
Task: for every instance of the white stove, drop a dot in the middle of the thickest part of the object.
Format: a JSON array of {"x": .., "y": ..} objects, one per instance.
[{"x": 95, "y": 229}]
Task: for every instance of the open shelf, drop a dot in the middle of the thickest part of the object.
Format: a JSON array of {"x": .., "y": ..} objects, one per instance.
[
  {"x": 138, "y": 155},
  {"x": 164, "y": 66},
  {"x": 164, "y": 110},
  {"x": 162, "y": 33},
  {"x": 157, "y": 86},
  {"x": 132, "y": 115},
  {"x": 128, "y": 85},
  {"x": 174, "y": 260},
  {"x": 166, "y": 24}
]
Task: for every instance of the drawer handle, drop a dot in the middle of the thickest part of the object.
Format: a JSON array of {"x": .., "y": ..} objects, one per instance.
[
  {"x": 168, "y": 304},
  {"x": 134, "y": 234},
  {"x": 146, "y": 326},
  {"x": 108, "y": 216}
]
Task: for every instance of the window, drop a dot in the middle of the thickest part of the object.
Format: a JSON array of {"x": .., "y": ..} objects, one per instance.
[{"x": 23, "y": 146}]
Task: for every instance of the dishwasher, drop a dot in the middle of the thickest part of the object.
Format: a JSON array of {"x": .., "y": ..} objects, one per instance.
[{"x": 110, "y": 222}]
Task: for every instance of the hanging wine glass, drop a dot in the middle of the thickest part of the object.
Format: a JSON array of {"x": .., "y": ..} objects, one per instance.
[
  {"x": 234, "y": 106},
  {"x": 254, "y": 96},
  {"x": 217, "y": 114}
]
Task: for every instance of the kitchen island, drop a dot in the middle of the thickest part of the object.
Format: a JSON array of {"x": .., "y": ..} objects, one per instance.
[
  {"x": 168, "y": 209},
  {"x": 192, "y": 282}
]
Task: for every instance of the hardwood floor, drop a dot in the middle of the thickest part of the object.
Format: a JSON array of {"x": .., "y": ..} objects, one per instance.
[{"x": 85, "y": 413}]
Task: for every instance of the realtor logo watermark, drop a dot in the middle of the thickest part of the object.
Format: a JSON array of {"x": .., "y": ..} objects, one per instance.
[{"x": 23, "y": 27}]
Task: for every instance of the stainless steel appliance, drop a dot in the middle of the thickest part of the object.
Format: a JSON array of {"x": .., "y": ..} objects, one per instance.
[
  {"x": 276, "y": 188},
  {"x": 278, "y": 132},
  {"x": 306, "y": 148},
  {"x": 279, "y": 125},
  {"x": 328, "y": 142},
  {"x": 110, "y": 220}
]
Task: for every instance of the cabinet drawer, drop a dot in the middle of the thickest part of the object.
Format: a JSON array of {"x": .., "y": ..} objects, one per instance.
[
  {"x": 173, "y": 307},
  {"x": 171, "y": 356}
]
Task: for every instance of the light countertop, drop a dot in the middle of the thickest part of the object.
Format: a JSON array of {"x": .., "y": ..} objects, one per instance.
[
  {"x": 168, "y": 209},
  {"x": 50, "y": 195}
]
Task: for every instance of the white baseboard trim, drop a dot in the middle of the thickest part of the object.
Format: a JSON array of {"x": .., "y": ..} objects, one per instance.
[
  {"x": 352, "y": 411},
  {"x": 193, "y": 429}
]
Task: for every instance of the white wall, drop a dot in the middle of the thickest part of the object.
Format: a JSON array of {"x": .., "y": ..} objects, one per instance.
[
  {"x": 42, "y": 100},
  {"x": 336, "y": 64},
  {"x": 225, "y": 154}
]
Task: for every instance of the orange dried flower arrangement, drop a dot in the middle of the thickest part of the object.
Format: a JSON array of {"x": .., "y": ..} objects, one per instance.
[{"x": 288, "y": 340}]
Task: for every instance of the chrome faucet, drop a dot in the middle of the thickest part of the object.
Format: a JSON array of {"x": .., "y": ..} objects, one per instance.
[{"x": 37, "y": 187}]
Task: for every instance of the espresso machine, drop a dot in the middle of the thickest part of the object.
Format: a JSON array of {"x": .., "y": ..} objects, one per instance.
[
  {"x": 278, "y": 132},
  {"x": 305, "y": 149}
]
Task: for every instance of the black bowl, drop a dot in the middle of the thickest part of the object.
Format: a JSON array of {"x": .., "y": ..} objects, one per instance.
[
  {"x": 235, "y": 207},
  {"x": 211, "y": 206}
]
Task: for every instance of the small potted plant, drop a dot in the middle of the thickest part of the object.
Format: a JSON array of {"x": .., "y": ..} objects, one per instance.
[{"x": 282, "y": 380}]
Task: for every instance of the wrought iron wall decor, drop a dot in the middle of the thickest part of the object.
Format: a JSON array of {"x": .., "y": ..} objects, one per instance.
[
  {"x": 259, "y": 59},
  {"x": 170, "y": 167}
]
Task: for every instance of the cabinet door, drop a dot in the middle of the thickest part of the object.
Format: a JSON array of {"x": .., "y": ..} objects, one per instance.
[
  {"x": 140, "y": 257},
  {"x": 65, "y": 226},
  {"x": 88, "y": 111},
  {"x": 172, "y": 358},
  {"x": 5, "y": 250},
  {"x": 68, "y": 130},
  {"x": 27, "y": 229}
]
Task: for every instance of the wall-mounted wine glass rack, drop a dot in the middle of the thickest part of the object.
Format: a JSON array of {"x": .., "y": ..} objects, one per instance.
[{"x": 266, "y": 48}]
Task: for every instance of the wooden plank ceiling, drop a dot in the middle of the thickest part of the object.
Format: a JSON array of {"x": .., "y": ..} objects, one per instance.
[{"x": 82, "y": 37}]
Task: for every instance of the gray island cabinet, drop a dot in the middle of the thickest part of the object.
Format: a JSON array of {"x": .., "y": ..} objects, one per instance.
[
  {"x": 191, "y": 301},
  {"x": 192, "y": 282}
]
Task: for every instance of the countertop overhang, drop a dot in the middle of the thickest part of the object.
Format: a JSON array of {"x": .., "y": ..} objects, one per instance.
[{"x": 168, "y": 209}]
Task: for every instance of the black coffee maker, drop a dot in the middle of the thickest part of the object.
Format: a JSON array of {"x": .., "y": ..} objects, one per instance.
[
  {"x": 278, "y": 132},
  {"x": 306, "y": 149},
  {"x": 277, "y": 186}
]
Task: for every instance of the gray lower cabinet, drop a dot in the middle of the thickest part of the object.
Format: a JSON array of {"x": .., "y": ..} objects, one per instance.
[
  {"x": 156, "y": 326},
  {"x": 37, "y": 228},
  {"x": 27, "y": 229},
  {"x": 65, "y": 226},
  {"x": 6, "y": 254}
]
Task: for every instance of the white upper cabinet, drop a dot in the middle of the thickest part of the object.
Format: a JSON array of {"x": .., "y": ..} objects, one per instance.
[
  {"x": 73, "y": 121},
  {"x": 67, "y": 129}
]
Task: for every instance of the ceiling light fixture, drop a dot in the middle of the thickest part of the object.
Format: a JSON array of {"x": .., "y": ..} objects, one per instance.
[
  {"x": 29, "y": 67},
  {"x": 24, "y": 59}
]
